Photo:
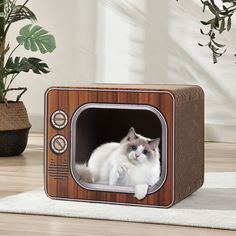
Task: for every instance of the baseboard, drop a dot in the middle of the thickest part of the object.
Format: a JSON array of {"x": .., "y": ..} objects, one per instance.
[{"x": 220, "y": 133}]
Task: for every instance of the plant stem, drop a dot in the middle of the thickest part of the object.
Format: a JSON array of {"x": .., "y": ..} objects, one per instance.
[
  {"x": 13, "y": 51},
  {"x": 8, "y": 87},
  {"x": 19, "y": 96},
  {"x": 12, "y": 78},
  {"x": 23, "y": 89},
  {"x": 233, "y": 6}
]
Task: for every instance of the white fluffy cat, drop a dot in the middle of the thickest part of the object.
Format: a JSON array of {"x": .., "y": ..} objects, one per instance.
[{"x": 135, "y": 161}]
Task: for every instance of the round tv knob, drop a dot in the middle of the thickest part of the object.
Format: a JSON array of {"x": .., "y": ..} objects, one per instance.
[
  {"x": 59, "y": 144},
  {"x": 59, "y": 119}
]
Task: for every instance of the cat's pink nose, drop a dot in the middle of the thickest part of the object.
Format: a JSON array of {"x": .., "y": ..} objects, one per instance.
[{"x": 136, "y": 155}]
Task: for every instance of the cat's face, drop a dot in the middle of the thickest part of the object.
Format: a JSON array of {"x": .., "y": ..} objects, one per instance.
[{"x": 139, "y": 149}]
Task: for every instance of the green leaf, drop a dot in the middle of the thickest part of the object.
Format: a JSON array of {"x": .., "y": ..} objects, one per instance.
[
  {"x": 225, "y": 8},
  {"x": 16, "y": 66},
  {"x": 20, "y": 39},
  {"x": 3, "y": 73},
  {"x": 33, "y": 45},
  {"x": 37, "y": 66},
  {"x": 212, "y": 9},
  {"x": 212, "y": 35},
  {"x": 214, "y": 59},
  {"x": 218, "y": 45},
  {"x": 25, "y": 65},
  {"x": 222, "y": 26},
  {"x": 205, "y": 23},
  {"x": 24, "y": 30},
  {"x": 214, "y": 5},
  {"x": 216, "y": 22},
  {"x": 20, "y": 12},
  {"x": 210, "y": 22},
  {"x": 34, "y": 38},
  {"x": 202, "y": 32}
]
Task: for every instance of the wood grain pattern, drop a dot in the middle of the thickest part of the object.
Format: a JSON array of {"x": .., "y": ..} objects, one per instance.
[{"x": 58, "y": 178}]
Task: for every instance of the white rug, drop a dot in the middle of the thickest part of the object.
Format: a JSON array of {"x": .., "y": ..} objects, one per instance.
[{"x": 212, "y": 206}]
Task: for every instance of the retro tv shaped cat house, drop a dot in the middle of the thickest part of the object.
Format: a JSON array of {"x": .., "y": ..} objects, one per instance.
[{"x": 79, "y": 119}]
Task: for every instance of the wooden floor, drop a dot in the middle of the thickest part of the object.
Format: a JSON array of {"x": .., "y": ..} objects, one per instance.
[{"x": 23, "y": 173}]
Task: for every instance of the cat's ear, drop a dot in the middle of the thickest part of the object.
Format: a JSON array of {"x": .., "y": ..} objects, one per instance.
[
  {"x": 131, "y": 134},
  {"x": 154, "y": 143}
]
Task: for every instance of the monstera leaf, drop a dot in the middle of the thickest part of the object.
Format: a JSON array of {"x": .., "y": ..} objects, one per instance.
[
  {"x": 25, "y": 65},
  {"x": 34, "y": 38}
]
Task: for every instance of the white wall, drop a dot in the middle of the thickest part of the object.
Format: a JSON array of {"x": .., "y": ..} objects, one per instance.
[
  {"x": 73, "y": 25},
  {"x": 146, "y": 41},
  {"x": 173, "y": 56},
  {"x": 188, "y": 63}
]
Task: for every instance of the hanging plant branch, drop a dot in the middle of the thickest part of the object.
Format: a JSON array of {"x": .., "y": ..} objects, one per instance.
[{"x": 221, "y": 21}]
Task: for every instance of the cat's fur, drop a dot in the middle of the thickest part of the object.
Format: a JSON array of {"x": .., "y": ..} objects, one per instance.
[{"x": 135, "y": 161}]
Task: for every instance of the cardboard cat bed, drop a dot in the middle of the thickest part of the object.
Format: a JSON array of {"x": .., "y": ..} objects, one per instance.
[{"x": 79, "y": 119}]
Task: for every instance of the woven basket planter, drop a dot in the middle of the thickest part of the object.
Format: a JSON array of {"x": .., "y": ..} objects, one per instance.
[{"x": 14, "y": 128}]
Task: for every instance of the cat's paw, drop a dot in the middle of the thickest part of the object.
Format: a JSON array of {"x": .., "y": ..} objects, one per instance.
[
  {"x": 122, "y": 170},
  {"x": 140, "y": 191}
]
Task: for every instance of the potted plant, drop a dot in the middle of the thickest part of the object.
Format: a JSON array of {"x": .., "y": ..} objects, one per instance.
[{"x": 14, "y": 122}]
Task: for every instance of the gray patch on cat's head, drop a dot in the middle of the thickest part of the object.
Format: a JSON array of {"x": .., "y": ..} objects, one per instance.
[
  {"x": 130, "y": 136},
  {"x": 151, "y": 146},
  {"x": 133, "y": 139},
  {"x": 140, "y": 141},
  {"x": 154, "y": 143}
]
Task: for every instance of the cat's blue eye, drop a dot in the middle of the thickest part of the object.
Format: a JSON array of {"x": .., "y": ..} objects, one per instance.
[
  {"x": 145, "y": 152},
  {"x": 133, "y": 147}
]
